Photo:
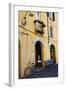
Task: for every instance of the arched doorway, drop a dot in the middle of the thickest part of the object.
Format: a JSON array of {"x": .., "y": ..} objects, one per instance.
[
  {"x": 52, "y": 53},
  {"x": 38, "y": 54}
]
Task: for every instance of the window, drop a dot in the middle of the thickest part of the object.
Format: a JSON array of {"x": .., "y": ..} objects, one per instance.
[
  {"x": 37, "y": 15},
  {"x": 38, "y": 18},
  {"x": 39, "y": 25},
  {"x": 51, "y": 32},
  {"x": 51, "y": 15}
]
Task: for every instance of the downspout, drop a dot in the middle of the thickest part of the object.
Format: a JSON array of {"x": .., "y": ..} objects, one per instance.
[{"x": 47, "y": 27}]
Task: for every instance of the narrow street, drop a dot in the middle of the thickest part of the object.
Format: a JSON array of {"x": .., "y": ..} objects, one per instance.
[{"x": 50, "y": 71}]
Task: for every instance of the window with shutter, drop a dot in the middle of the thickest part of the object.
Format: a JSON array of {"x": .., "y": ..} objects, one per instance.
[{"x": 51, "y": 15}]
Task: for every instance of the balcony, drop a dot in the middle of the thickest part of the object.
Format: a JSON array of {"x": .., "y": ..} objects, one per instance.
[{"x": 39, "y": 26}]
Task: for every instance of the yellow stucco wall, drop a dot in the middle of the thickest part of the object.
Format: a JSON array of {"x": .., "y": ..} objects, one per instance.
[{"x": 28, "y": 38}]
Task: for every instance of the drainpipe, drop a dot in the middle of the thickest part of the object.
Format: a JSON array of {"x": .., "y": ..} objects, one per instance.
[{"x": 48, "y": 26}]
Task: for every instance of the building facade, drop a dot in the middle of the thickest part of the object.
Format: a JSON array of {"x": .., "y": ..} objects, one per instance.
[{"x": 37, "y": 39}]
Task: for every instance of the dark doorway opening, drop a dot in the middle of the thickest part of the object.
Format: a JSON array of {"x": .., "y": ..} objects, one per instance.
[
  {"x": 38, "y": 53},
  {"x": 52, "y": 53}
]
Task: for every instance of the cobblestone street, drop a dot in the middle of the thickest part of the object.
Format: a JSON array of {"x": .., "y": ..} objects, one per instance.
[{"x": 50, "y": 71}]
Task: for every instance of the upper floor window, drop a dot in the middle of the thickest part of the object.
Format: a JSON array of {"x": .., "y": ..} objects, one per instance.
[
  {"x": 37, "y": 15},
  {"x": 51, "y": 15},
  {"x": 39, "y": 25},
  {"x": 51, "y": 32}
]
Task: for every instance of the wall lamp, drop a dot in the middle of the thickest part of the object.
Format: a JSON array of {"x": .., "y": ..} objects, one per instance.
[{"x": 24, "y": 18}]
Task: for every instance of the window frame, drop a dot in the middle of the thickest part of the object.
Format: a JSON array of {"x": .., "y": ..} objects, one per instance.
[{"x": 51, "y": 16}]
